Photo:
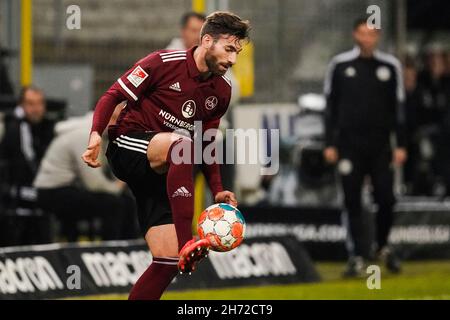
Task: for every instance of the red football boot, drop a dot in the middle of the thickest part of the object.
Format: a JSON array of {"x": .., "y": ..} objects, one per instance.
[{"x": 192, "y": 252}]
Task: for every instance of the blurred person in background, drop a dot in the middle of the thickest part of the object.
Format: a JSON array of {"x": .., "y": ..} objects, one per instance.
[
  {"x": 191, "y": 23},
  {"x": 365, "y": 97},
  {"x": 436, "y": 81},
  {"x": 27, "y": 135},
  {"x": 418, "y": 173},
  {"x": 73, "y": 191}
]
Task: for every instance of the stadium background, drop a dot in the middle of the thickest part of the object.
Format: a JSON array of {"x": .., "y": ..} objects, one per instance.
[{"x": 292, "y": 42}]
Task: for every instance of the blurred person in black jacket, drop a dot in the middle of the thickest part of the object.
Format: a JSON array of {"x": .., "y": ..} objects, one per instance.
[
  {"x": 365, "y": 105},
  {"x": 436, "y": 115},
  {"x": 434, "y": 82},
  {"x": 27, "y": 135},
  {"x": 418, "y": 170}
]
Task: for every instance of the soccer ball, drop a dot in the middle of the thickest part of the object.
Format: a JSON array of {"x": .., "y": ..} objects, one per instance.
[{"x": 223, "y": 225}]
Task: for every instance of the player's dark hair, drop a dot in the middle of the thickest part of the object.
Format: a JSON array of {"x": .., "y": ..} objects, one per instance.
[
  {"x": 358, "y": 22},
  {"x": 191, "y": 14},
  {"x": 221, "y": 23},
  {"x": 25, "y": 89}
]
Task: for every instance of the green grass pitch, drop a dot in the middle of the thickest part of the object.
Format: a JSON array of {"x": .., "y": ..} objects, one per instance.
[{"x": 419, "y": 280}]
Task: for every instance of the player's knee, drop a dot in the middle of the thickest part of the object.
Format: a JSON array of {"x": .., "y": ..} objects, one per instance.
[
  {"x": 180, "y": 151},
  {"x": 167, "y": 251}
]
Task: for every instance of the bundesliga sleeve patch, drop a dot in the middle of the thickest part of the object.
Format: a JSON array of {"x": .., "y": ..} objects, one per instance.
[{"x": 137, "y": 76}]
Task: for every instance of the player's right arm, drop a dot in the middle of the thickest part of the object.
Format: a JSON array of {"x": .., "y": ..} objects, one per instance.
[
  {"x": 130, "y": 87},
  {"x": 330, "y": 152}
]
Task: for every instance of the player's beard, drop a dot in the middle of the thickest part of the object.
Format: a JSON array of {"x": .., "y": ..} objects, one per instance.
[{"x": 214, "y": 65}]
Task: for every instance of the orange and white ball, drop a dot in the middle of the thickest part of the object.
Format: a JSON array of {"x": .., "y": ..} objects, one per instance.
[{"x": 223, "y": 225}]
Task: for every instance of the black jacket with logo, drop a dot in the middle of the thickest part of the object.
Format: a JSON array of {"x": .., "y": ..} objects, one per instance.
[{"x": 365, "y": 98}]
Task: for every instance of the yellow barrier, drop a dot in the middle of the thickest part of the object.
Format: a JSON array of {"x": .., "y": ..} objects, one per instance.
[
  {"x": 244, "y": 71},
  {"x": 199, "y": 6},
  {"x": 26, "y": 42}
]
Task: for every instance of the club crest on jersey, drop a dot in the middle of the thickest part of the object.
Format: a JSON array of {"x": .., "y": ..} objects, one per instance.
[
  {"x": 350, "y": 72},
  {"x": 211, "y": 102},
  {"x": 188, "y": 109},
  {"x": 137, "y": 76},
  {"x": 345, "y": 167},
  {"x": 383, "y": 73}
]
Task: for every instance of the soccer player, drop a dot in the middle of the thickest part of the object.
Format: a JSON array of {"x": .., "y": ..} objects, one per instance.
[{"x": 169, "y": 90}]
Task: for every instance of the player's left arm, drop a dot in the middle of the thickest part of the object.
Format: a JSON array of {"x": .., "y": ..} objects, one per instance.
[{"x": 212, "y": 170}]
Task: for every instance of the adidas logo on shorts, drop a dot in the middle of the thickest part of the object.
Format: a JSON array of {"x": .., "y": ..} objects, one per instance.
[{"x": 182, "y": 192}]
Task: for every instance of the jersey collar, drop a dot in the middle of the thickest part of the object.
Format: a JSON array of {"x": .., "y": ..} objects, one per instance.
[
  {"x": 194, "y": 72},
  {"x": 192, "y": 67}
]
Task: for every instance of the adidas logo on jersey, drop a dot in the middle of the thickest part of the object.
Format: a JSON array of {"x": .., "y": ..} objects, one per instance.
[
  {"x": 176, "y": 87},
  {"x": 182, "y": 192}
]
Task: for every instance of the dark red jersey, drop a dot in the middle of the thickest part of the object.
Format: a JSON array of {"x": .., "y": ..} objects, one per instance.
[{"x": 165, "y": 93}]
